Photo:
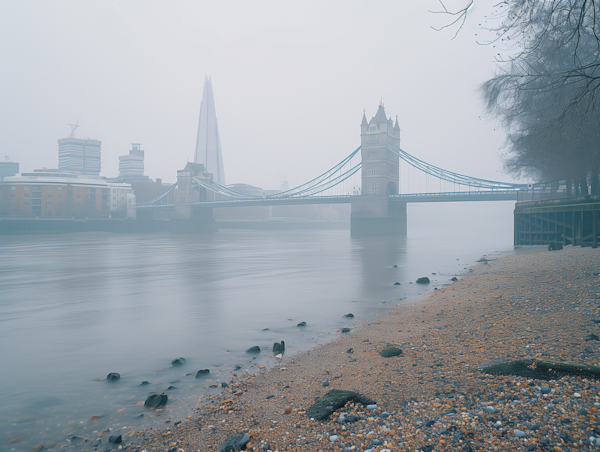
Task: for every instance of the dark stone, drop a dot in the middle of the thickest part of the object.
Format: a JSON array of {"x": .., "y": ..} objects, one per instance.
[
  {"x": 279, "y": 347},
  {"x": 325, "y": 383},
  {"x": 390, "y": 351},
  {"x": 454, "y": 278},
  {"x": 236, "y": 441},
  {"x": 301, "y": 324},
  {"x": 350, "y": 350},
  {"x": 144, "y": 383},
  {"x": 430, "y": 423},
  {"x": 352, "y": 418},
  {"x": 423, "y": 280},
  {"x": 253, "y": 349},
  {"x": 224, "y": 385},
  {"x": 345, "y": 330},
  {"x": 592, "y": 337},
  {"x": 596, "y": 321},
  {"x": 115, "y": 439},
  {"x": 426, "y": 448},
  {"x": 171, "y": 387},
  {"x": 396, "y": 283},
  {"x": 349, "y": 315},
  {"x": 156, "y": 400},
  {"x": 178, "y": 362},
  {"x": 202, "y": 373},
  {"x": 551, "y": 246},
  {"x": 395, "y": 266},
  {"x": 334, "y": 400},
  {"x": 113, "y": 376},
  {"x": 266, "y": 329},
  {"x": 543, "y": 370}
]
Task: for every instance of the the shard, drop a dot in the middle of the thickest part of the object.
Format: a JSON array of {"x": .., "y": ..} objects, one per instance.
[{"x": 208, "y": 142}]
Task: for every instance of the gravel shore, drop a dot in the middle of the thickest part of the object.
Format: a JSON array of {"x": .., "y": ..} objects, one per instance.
[{"x": 530, "y": 304}]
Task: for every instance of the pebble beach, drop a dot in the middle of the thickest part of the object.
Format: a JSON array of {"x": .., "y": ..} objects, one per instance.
[{"x": 530, "y": 304}]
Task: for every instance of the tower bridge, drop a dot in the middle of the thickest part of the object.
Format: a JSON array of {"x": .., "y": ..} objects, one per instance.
[{"x": 375, "y": 179}]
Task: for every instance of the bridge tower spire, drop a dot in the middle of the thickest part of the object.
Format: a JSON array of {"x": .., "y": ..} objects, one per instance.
[{"x": 372, "y": 212}]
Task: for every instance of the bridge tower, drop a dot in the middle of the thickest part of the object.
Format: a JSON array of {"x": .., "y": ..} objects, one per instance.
[
  {"x": 187, "y": 218},
  {"x": 372, "y": 211}
]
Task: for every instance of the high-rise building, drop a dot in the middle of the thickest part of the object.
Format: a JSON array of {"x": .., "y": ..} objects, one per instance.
[
  {"x": 131, "y": 166},
  {"x": 79, "y": 155},
  {"x": 8, "y": 168},
  {"x": 208, "y": 142}
]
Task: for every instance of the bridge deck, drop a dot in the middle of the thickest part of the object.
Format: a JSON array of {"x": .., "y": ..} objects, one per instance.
[{"x": 491, "y": 195}]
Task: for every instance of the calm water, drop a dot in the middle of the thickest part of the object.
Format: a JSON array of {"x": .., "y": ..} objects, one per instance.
[{"x": 75, "y": 307}]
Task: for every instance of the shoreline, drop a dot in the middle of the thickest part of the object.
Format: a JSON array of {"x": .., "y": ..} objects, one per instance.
[{"x": 528, "y": 304}]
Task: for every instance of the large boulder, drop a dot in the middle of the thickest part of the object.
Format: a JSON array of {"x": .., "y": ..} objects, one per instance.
[
  {"x": 156, "y": 400},
  {"x": 178, "y": 362},
  {"x": 335, "y": 399},
  {"x": 423, "y": 280},
  {"x": 254, "y": 349},
  {"x": 236, "y": 441}
]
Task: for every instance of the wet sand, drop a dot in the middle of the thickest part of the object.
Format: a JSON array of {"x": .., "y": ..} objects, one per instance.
[{"x": 530, "y": 304}]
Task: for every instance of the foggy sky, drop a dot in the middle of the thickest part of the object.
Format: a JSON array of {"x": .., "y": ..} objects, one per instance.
[{"x": 290, "y": 81}]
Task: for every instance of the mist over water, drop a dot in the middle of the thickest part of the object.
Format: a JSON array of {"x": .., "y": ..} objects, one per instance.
[{"x": 75, "y": 307}]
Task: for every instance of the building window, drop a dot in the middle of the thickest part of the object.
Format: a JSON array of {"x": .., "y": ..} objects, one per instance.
[
  {"x": 49, "y": 203},
  {"x": 13, "y": 203},
  {"x": 26, "y": 188},
  {"x": 49, "y": 188},
  {"x": 59, "y": 195},
  {"x": 59, "y": 189},
  {"x": 49, "y": 195},
  {"x": 26, "y": 195},
  {"x": 26, "y": 203},
  {"x": 13, "y": 188},
  {"x": 79, "y": 196},
  {"x": 114, "y": 198},
  {"x": 79, "y": 189},
  {"x": 12, "y": 195}
]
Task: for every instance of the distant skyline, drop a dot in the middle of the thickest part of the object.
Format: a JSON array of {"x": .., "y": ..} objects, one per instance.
[{"x": 292, "y": 82}]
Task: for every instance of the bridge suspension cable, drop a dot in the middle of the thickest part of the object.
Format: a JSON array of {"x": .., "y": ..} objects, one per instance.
[
  {"x": 450, "y": 176},
  {"x": 158, "y": 198},
  {"x": 317, "y": 181}
]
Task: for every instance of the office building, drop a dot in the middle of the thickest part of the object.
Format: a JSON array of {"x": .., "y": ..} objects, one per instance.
[{"x": 79, "y": 155}]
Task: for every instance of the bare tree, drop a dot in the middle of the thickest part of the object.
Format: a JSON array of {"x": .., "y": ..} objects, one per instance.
[{"x": 548, "y": 102}]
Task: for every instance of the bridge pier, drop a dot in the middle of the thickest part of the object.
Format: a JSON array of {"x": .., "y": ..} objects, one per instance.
[{"x": 376, "y": 216}]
